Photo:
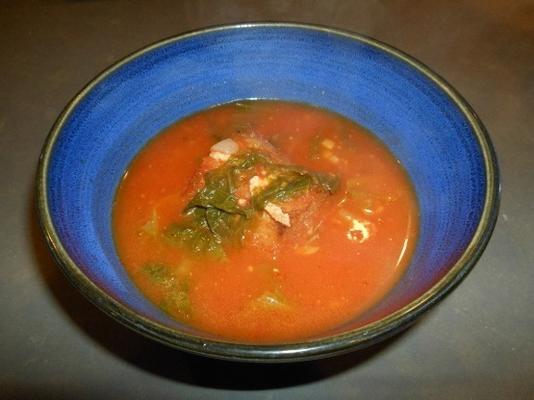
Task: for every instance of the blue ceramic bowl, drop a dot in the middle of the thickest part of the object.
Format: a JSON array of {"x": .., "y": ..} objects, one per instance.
[{"x": 425, "y": 123}]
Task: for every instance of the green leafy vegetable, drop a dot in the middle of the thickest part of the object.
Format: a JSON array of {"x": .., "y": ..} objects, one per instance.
[
  {"x": 214, "y": 218},
  {"x": 158, "y": 273},
  {"x": 195, "y": 234},
  {"x": 247, "y": 160},
  {"x": 178, "y": 304},
  {"x": 221, "y": 184},
  {"x": 290, "y": 182},
  {"x": 224, "y": 225},
  {"x": 176, "y": 281},
  {"x": 329, "y": 182},
  {"x": 217, "y": 193},
  {"x": 283, "y": 188}
]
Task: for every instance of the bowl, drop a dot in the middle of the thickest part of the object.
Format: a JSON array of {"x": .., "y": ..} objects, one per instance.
[{"x": 422, "y": 119}]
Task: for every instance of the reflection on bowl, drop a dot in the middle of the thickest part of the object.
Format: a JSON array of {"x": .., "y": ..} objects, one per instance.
[{"x": 423, "y": 121}]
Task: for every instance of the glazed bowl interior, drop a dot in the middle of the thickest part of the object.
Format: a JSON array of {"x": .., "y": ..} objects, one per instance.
[{"x": 427, "y": 126}]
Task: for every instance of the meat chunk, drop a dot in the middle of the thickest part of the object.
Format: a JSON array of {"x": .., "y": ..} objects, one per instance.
[
  {"x": 276, "y": 213},
  {"x": 247, "y": 177},
  {"x": 223, "y": 150}
]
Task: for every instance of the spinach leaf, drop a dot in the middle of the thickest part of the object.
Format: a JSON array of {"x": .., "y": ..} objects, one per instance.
[
  {"x": 158, "y": 273},
  {"x": 213, "y": 218},
  {"x": 178, "y": 304},
  {"x": 329, "y": 182},
  {"x": 247, "y": 160},
  {"x": 282, "y": 188},
  {"x": 204, "y": 230},
  {"x": 176, "y": 300},
  {"x": 194, "y": 234},
  {"x": 224, "y": 225},
  {"x": 220, "y": 185},
  {"x": 217, "y": 193}
]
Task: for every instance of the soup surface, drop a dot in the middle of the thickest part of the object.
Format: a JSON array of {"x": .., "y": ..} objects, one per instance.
[{"x": 265, "y": 221}]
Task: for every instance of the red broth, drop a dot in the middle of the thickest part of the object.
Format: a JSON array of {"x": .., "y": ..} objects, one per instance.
[{"x": 308, "y": 278}]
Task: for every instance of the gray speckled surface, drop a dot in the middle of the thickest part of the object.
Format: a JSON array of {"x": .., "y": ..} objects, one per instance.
[{"x": 478, "y": 343}]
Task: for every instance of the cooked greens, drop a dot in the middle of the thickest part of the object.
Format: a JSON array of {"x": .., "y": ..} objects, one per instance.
[
  {"x": 214, "y": 217},
  {"x": 158, "y": 273},
  {"x": 176, "y": 301},
  {"x": 194, "y": 232},
  {"x": 329, "y": 182},
  {"x": 283, "y": 187},
  {"x": 291, "y": 182}
]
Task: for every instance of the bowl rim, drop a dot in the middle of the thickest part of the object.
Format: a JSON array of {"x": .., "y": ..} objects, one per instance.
[{"x": 294, "y": 351}]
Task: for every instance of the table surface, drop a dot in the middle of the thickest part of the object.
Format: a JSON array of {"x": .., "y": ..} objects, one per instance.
[{"x": 477, "y": 343}]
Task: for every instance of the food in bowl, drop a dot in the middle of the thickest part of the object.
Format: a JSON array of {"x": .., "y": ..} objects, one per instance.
[
  {"x": 422, "y": 120},
  {"x": 265, "y": 221}
]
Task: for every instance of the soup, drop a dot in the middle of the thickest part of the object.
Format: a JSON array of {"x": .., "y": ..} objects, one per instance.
[{"x": 265, "y": 221}]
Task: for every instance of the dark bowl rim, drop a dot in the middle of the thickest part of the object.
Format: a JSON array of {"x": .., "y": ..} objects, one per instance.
[{"x": 297, "y": 351}]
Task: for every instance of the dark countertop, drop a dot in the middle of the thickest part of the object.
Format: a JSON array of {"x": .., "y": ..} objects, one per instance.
[{"x": 478, "y": 343}]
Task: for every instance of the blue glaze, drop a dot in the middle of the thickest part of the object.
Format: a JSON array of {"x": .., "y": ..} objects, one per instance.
[{"x": 410, "y": 113}]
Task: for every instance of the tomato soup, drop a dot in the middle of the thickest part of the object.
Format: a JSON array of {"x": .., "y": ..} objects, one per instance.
[{"x": 265, "y": 221}]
